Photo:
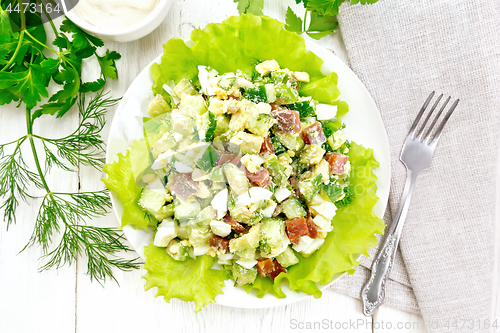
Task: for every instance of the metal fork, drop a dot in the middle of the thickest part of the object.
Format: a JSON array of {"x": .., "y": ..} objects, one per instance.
[{"x": 416, "y": 155}]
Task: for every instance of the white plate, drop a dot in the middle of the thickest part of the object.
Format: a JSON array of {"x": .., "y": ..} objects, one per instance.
[{"x": 364, "y": 126}]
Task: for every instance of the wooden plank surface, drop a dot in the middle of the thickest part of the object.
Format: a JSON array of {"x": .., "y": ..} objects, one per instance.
[{"x": 66, "y": 300}]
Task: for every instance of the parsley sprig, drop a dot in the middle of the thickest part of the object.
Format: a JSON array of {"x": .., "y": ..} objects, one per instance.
[
  {"x": 28, "y": 65},
  {"x": 319, "y": 19},
  {"x": 26, "y": 71}
]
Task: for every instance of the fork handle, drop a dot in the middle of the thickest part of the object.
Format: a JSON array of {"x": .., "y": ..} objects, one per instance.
[{"x": 373, "y": 293}]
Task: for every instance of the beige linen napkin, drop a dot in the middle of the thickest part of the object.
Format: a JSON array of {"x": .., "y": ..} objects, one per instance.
[{"x": 402, "y": 50}]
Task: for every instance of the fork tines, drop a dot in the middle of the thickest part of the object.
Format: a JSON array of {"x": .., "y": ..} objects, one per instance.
[{"x": 419, "y": 134}]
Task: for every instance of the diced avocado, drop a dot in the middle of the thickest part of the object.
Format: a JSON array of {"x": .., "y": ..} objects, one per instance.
[
  {"x": 158, "y": 106},
  {"x": 237, "y": 180},
  {"x": 216, "y": 186},
  {"x": 182, "y": 124},
  {"x": 312, "y": 154},
  {"x": 187, "y": 209},
  {"x": 277, "y": 171},
  {"x": 336, "y": 140},
  {"x": 225, "y": 137},
  {"x": 206, "y": 215},
  {"x": 188, "y": 140},
  {"x": 206, "y": 124},
  {"x": 273, "y": 239},
  {"x": 192, "y": 106},
  {"x": 293, "y": 208},
  {"x": 165, "y": 143},
  {"x": 164, "y": 212},
  {"x": 245, "y": 245},
  {"x": 309, "y": 187},
  {"x": 155, "y": 128},
  {"x": 184, "y": 87},
  {"x": 287, "y": 258},
  {"x": 222, "y": 125},
  {"x": 151, "y": 201},
  {"x": 199, "y": 234},
  {"x": 177, "y": 251},
  {"x": 244, "y": 215},
  {"x": 260, "y": 125},
  {"x": 217, "y": 175},
  {"x": 285, "y": 94},
  {"x": 242, "y": 275},
  {"x": 205, "y": 202},
  {"x": 291, "y": 142}
]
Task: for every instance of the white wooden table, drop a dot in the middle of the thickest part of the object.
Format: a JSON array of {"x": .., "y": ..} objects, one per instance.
[{"x": 66, "y": 301}]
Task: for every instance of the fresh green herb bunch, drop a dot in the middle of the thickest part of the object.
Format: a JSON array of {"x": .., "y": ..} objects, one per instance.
[
  {"x": 28, "y": 64},
  {"x": 321, "y": 14},
  {"x": 26, "y": 71}
]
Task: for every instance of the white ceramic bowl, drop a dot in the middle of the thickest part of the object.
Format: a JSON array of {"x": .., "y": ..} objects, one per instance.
[{"x": 126, "y": 34}]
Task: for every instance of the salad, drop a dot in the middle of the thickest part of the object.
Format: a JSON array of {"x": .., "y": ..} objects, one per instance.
[{"x": 243, "y": 172}]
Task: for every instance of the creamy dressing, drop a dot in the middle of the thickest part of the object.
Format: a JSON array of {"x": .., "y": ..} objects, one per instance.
[{"x": 114, "y": 14}]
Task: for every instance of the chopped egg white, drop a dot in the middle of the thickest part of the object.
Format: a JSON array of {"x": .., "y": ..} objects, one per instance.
[
  {"x": 246, "y": 263},
  {"x": 226, "y": 256},
  {"x": 253, "y": 195},
  {"x": 252, "y": 162},
  {"x": 325, "y": 111},
  {"x": 282, "y": 193},
  {"x": 162, "y": 160},
  {"x": 200, "y": 250},
  {"x": 206, "y": 88},
  {"x": 315, "y": 244},
  {"x": 219, "y": 203},
  {"x": 243, "y": 83},
  {"x": 178, "y": 136},
  {"x": 269, "y": 210},
  {"x": 304, "y": 242},
  {"x": 171, "y": 92},
  {"x": 220, "y": 228},
  {"x": 182, "y": 168},
  {"x": 326, "y": 209},
  {"x": 167, "y": 230},
  {"x": 199, "y": 175},
  {"x": 157, "y": 186},
  {"x": 323, "y": 224}
]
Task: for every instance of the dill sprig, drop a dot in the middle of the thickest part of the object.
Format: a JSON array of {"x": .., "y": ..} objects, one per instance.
[{"x": 61, "y": 212}]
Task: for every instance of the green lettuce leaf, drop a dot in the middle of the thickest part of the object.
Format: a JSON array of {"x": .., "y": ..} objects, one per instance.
[
  {"x": 354, "y": 229},
  {"x": 122, "y": 181},
  {"x": 190, "y": 280},
  {"x": 323, "y": 90},
  {"x": 240, "y": 42}
]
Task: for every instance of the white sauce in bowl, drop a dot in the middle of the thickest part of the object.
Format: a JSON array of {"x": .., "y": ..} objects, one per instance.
[{"x": 114, "y": 14}]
